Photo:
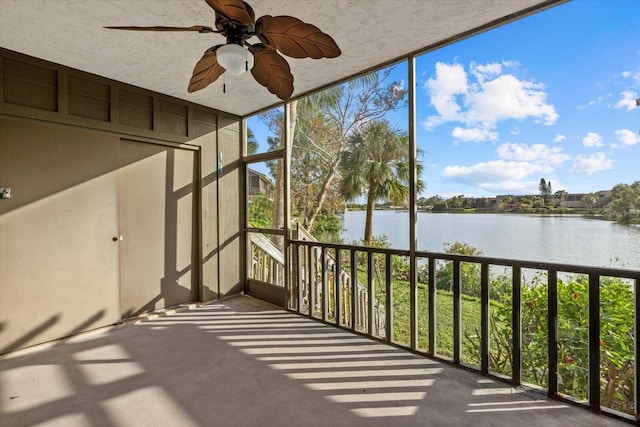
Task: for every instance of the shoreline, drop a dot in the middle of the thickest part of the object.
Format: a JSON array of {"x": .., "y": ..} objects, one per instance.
[{"x": 571, "y": 212}]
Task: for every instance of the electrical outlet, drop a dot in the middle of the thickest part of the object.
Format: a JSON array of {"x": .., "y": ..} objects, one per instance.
[{"x": 5, "y": 193}]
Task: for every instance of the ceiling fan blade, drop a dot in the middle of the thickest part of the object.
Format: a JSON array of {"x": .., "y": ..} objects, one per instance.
[
  {"x": 206, "y": 71},
  {"x": 233, "y": 10},
  {"x": 198, "y": 28},
  {"x": 295, "y": 38},
  {"x": 272, "y": 71}
]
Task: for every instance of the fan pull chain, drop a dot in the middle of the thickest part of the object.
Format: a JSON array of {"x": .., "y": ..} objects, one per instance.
[
  {"x": 246, "y": 60},
  {"x": 224, "y": 84}
]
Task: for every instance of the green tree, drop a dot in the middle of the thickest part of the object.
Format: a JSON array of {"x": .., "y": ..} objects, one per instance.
[
  {"x": 635, "y": 188},
  {"x": 315, "y": 140},
  {"x": 589, "y": 201},
  {"x": 538, "y": 201},
  {"x": 545, "y": 189},
  {"x": 260, "y": 211},
  {"x": 526, "y": 202},
  {"x": 560, "y": 197},
  {"x": 456, "y": 201},
  {"x": 625, "y": 198},
  {"x": 469, "y": 272},
  {"x": 376, "y": 164},
  {"x": 321, "y": 124}
]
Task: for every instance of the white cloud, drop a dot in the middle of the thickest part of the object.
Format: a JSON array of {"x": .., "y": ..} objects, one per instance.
[
  {"x": 634, "y": 76},
  {"x": 490, "y": 69},
  {"x": 592, "y": 140},
  {"x": 539, "y": 153},
  {"x": 626, "y": 137},
  {"x": 483, "y": 72},
  {"x": 474, "y": 134},
  {"x": 497, "y": 176},
  {"x": 590, "y": 164},
  {"x": 494, "y": 172},
  {"x": 483, "y": 97},
  {"x": 628, "y": 100},
  {"x": 559, "y": 138},
  {"x": 450, "y": 81},
  {"x": 489, "y": 98},
  {"x": 598, "y": 100},
  {"x": 513, "y": 187},
  {"x": 512, "y": 172},
  {"x": 506, "y": 97}
]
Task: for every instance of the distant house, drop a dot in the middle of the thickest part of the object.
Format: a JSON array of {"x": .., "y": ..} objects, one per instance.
[
  {"x": 571, "y": 200},
  {"x": 574, "y": 200},
  {"x": 258, "y": 183}
]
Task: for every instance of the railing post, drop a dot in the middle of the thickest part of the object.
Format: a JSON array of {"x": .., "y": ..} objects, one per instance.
[
  {"x": 337, "y": 288},
  {"x": 516, "y": 325},
  {"x": 594, "y": 342},
  {"x": 413, "y": 197},
  {"x": 354, "y": 289},
  {"x": 413, "y": 303},
  {"x": 388, "y": 315},
  {"x": 552, "y": 331},
  {"x": 295, "y": 274},
  {"x": 432, "y": 305},
  {"x": 370, "y": 293},
  {"x": 300, "y": 277},
  {"x": 270, "y": 271},
  {"x": 484, "y": 318},
  {"x": 311, "y": 286},
  {"x": 325, "y": 283},
  {"x": 457, "y": 311}
]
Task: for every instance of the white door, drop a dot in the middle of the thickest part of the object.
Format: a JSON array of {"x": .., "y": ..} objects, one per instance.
[{"x": 156, "y": 185}]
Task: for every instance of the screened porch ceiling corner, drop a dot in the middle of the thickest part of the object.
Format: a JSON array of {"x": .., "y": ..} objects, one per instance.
[{"x": 369, "y": 33}]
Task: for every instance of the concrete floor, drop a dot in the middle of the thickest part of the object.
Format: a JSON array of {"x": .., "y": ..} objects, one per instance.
[{"x": 243, "y": 362}]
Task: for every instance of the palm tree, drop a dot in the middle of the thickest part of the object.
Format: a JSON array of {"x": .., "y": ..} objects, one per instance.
[
  {"x": 252, "y": 143},
  {"x": 376, "y": 163}
]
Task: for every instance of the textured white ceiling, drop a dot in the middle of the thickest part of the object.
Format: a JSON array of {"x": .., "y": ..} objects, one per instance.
[{"x": 369, "y": 32}]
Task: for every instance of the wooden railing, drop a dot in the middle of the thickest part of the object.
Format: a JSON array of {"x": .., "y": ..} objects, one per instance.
[
  {"x": 267, "y": 260},
  {"x": 323, "y": 276},
  {"x": 316, "y": 265},
  {"x": 267, "y": 265},
  {"x": 357, "y": 288}
]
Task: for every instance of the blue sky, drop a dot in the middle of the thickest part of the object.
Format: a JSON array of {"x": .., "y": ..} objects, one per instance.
[{"x": 549, "y": 96}]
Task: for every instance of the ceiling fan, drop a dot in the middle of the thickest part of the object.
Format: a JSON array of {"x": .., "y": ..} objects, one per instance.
[{"x": 235, "y": 19}]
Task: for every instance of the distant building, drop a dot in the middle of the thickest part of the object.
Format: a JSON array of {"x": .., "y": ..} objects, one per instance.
[
  {"x": 574, "y": 200},
  {"x": 258, "y": 182},
  {"x": 571, "y": 200}
]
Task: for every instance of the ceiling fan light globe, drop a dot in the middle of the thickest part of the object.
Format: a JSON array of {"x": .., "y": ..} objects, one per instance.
[{"x": 234, "y": 58}]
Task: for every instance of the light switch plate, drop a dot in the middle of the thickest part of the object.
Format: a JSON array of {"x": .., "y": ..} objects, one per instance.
[{"x": 5, "y": 193}]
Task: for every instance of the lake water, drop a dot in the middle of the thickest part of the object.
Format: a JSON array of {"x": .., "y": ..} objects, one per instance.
[{"x": 563, "y": 239}]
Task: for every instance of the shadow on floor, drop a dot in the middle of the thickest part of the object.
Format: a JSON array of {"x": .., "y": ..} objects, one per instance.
[{"x": 243, "y": 362}]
